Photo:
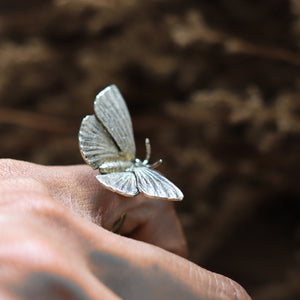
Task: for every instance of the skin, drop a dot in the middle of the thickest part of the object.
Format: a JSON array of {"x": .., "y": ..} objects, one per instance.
[{"x": 57, "y": 243}]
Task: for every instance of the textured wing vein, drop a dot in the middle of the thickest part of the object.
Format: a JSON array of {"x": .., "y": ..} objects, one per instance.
[
  {"x": 121, "y": 182},
  {"x": 155, "y": 185},
  {"x": 111, "y": 110},
  {"x": 95, "y": 143}
]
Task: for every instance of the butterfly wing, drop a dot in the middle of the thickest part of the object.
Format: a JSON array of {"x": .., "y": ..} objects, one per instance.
[
  {"x": 96, "y": 144},
  {"x": 154, "y": 185},
  {"x": 121, "y": 182},
  {"x": 112, "y": 112}
]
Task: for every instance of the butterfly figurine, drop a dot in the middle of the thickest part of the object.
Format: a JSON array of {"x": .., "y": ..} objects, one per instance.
[{"x": 107, "y": 143}]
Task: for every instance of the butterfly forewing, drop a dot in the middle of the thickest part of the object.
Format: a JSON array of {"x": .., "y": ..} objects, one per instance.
[
  {"x": 95, "y": 142},
  {"x": 111, "y": 110},
  {"x": 121, "y": 182},
  {"x": 154, "y": 185}
]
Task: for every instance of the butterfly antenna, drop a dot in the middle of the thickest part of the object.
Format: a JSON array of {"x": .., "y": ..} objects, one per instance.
[
  {"x": 156, "y": 164},
  {"x": 148, "y": 151}
]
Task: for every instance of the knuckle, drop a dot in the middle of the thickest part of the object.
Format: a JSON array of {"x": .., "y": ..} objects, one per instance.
[
  {"x": 22, "y": 184},
  {"x": 28, "y": 194},
  {"x": 47, "y": 207},
  {"x": 26, "y": 247},
  {"x": 18, "y": 190}
]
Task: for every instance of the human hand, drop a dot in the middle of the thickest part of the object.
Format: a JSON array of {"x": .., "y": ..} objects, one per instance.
[{"x": 56, "y": 241}]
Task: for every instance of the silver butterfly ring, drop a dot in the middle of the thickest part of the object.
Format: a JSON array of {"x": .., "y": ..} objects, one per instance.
[{"x": 106, "y": 143}]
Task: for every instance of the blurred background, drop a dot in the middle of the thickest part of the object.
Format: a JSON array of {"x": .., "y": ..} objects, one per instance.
[{"x": 215, "y": 85}]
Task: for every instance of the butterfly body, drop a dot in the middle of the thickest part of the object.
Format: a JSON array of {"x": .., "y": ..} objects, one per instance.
[
  {"x": 115, "y": 166},
  {"x": 106, "y": 143}
]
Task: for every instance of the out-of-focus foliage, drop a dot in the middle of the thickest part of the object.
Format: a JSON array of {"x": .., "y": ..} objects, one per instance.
[{"x": 214, "y": 84}]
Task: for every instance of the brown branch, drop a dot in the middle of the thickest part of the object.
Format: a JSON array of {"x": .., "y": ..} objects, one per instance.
[
  {"x": 196, "y": 30},
  {"x": 233, "y": 44}
]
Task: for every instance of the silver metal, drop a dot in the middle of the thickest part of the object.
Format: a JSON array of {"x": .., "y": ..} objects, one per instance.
[{"x": 106, "y": 143}]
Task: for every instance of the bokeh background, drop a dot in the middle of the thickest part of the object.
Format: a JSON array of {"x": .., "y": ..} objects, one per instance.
[{"x": 214, "y": 84}]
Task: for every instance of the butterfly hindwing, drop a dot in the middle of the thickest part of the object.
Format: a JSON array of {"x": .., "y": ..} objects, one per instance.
[
  {"x": 96, "y": 144},
  {"x": 111, "y": 110},
  {"x": 154, "y": 185},
  {"x": 121, "y": 182}
]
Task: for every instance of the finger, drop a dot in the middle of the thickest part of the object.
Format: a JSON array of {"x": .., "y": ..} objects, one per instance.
[
  {"x": 155, "y": 221},
  {"x": 38, "y": 260},
  {"x": 136, "y": 270},
  {"x": 77, "y": 188},
  {"x": 73, "y": 186},
  {"x": 133, "y": 269}
]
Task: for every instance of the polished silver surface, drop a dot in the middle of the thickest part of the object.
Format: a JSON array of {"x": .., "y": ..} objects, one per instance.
[{"x": 107, "y": 143}]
